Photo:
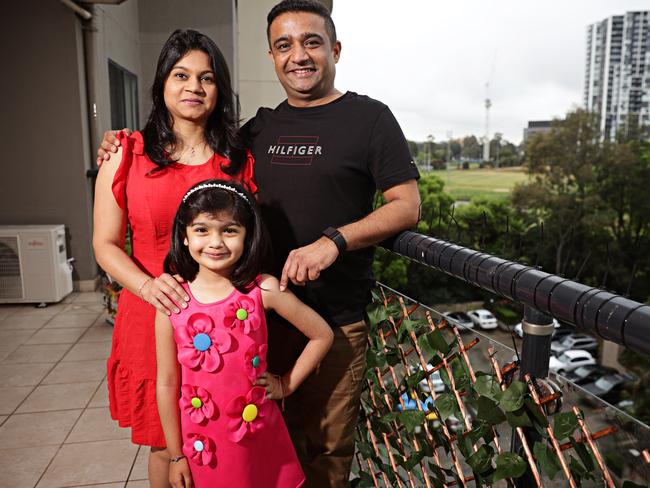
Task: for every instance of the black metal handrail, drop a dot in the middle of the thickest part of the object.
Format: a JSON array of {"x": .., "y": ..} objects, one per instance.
[{"x": 612, "y": 317}]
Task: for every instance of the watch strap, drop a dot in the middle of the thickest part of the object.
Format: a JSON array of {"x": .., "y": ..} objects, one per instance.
[{"x": 336, "y": 237}]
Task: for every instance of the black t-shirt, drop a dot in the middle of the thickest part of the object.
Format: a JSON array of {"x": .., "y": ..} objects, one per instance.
[{"x": 318, "y": 167}]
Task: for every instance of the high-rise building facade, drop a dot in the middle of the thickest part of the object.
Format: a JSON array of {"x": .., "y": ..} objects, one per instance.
[{"x": 617, "y": 74}]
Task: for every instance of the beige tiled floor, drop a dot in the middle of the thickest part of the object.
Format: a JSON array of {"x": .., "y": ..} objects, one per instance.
[{"x": 55, "y": 429}]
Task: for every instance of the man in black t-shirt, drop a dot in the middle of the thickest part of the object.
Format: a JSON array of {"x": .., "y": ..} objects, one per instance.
[{"x": 320, "y": 156}]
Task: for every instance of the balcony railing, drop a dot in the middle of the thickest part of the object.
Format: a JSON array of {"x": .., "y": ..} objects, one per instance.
[{"x": 448, "y": 407}]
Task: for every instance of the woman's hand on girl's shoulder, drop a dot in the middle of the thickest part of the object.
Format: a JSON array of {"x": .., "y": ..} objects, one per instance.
[
  {"x": 180, "y": 475},
  {"x": 110, "y": 145},
  {"x": 165, "y": 293}
]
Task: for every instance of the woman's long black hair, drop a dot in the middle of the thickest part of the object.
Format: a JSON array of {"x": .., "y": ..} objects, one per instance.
[
  {"x": 215, "y": 201},
  {"x": 221, "y": 128}
]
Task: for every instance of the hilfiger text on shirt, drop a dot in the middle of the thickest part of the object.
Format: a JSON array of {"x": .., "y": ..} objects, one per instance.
[
  {"x": 300, "y": 150},
  {"x": 295, "y": 150}
]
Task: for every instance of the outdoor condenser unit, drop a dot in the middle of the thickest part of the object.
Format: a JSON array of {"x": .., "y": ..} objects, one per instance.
[{"x": 33, "y": 264}]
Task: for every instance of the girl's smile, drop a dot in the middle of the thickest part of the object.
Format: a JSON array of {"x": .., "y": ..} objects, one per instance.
[{"x": 216, "y": 243}]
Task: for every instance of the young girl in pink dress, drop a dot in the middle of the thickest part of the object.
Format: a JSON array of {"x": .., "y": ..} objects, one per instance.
[{"x": 228, "y": 431}]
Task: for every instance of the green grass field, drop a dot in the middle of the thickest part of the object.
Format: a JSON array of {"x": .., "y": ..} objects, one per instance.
[{"x": 465, "y": 184}]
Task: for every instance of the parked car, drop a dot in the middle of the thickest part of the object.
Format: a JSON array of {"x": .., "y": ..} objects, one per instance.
[
  {"x": 609, "y": 387},
  {"x": 583, "y": 342},
  {"x": 562, "y": 331},
  {"x": 436, "y": 381},
  {"x": 460, "y": 318},
  {"x": 483, "y": 318},
  {"x": 570, "y": 360},
  {"x": 588, "y": 374},
  {"x": 519, "y": 328}
]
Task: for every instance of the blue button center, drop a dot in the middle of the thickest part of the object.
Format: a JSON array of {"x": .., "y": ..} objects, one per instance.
[
  {"x": 202, "y": 342},
  {"x": 198, "y": 446}
]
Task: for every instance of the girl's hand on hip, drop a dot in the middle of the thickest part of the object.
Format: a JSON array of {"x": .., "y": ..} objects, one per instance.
[
  {"x": 180, "y": 475},
  {"x": 275, "y": 388},
  {"x": 165, "y": 293}
]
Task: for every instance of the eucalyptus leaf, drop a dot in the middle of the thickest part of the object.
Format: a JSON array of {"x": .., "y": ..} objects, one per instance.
[
  {"x": 489, "y": 411},
  {"x": 631, "y": 484},
  {"x": 365, "y": 449},
  {"x": 547, "y": 459},
  {"x": 412, "y": 461},
  {"x": 509, "y": 465},
  {"x": 481, "y": 460},
  {"x": 578, "y": 471},
  {"x": 363, "y": 481},
  {"x": 413, "y": 380},
  {"x": 438, "y": 341},
  {"x": 461, "y": 376},
  {"x": 375, "y": 359},
  {"x": 439, "y": 477},
  {"x": 412, "y": 325},
  {"x": 585, "y": 456},
  {"x": 534, "y": 412},
  {"x": 487, "y": 386},
  {"x": 392, "y": 356},
  {"x": 513, "y": 398},
  {"x": 411, "y": 419},
  {"x": 564, "y": 424},
  {"x": 377, "y": 313},
  {"x": 388, "y": 418},
  {"x": 446, "y": 405},
  {"x": 480, "y": 428},
  {"x": 427, "y": 348},
  {"x": 519, "y": 418}
]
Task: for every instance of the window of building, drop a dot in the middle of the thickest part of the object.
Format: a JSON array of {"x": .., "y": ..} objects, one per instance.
[{"x": 123, "y": 86}]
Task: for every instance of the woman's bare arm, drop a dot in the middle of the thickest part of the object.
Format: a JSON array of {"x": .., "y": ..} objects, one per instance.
[{"x": 109, "y": 231}]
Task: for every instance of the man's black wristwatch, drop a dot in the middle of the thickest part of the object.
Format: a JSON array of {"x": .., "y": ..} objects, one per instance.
[{"x": 337, "y": 237}]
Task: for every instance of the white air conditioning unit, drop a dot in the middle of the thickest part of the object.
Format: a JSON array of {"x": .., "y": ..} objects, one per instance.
[{"x": 33, "y": 264}]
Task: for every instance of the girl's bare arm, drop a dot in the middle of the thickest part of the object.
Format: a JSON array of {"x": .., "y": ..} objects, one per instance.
[
  {"x": 167, "y": 395},
  {"x": 168, "y": 384},
  {"x": 307, "y": 321}
]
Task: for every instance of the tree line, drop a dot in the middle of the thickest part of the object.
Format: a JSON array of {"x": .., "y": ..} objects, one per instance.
[{"x": 468, "y": 148}]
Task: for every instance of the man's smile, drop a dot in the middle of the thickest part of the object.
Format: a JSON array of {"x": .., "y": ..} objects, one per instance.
[{"x": 302, "y": 72}]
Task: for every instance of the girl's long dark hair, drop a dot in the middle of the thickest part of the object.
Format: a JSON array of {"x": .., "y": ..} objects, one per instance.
[
  {"x": 221, "y": 128},
  {"x": 215, "y": 201}
]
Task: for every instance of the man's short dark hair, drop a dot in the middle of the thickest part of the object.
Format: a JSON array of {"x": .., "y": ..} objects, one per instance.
[{"x": 311, "y": 6}]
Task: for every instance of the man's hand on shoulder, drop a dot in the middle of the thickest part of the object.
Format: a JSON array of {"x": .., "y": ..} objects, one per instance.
[
  {"x": 109, "y": 144},
  {"x": 306, "y": 263}
]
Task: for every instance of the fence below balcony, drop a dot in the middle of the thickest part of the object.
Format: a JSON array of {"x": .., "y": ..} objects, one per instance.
[{"x": 448, "y": 406}]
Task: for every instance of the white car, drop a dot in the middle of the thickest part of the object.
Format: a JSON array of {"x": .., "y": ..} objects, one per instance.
[
  {"x": 570, "y": 360},
  {"x": 519, "y": 329},
  {"x": 574, "y": 341},
  {"x": 436, "y": 381},
  {"x": 483, "y": 318}
]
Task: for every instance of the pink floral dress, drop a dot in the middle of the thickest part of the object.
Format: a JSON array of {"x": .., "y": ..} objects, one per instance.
[{"x": 232, "y": 435}]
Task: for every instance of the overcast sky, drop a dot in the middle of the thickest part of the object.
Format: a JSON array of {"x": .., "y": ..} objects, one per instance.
[{"x": 429, "y": 60}]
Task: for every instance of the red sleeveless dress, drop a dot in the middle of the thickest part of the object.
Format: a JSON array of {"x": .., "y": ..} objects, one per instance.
[
  {"x": 150, "y": 202},
  {"x": 231, "y": 434}
]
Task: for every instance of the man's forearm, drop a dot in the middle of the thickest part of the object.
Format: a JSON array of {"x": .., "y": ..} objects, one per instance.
[{"x": 400, "y": 213}]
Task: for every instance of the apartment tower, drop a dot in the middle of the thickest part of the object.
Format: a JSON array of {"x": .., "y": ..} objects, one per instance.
[{"x": 617, "y": 72}]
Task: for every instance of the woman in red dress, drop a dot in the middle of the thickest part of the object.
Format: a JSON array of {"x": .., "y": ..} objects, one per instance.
[{"x": 190, "y": 136}]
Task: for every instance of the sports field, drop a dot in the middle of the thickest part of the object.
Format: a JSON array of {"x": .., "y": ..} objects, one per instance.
[{"x": 465, "y": 184}]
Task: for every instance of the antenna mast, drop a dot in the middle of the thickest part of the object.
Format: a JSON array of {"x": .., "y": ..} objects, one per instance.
[{"x": 486, "y": 137}]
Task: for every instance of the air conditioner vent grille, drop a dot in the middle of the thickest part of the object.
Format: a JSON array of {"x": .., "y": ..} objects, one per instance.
[{"x": 11, "y": 284}]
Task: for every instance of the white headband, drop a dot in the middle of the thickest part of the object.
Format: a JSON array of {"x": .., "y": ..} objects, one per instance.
[{"x": 215, "y": 185}]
